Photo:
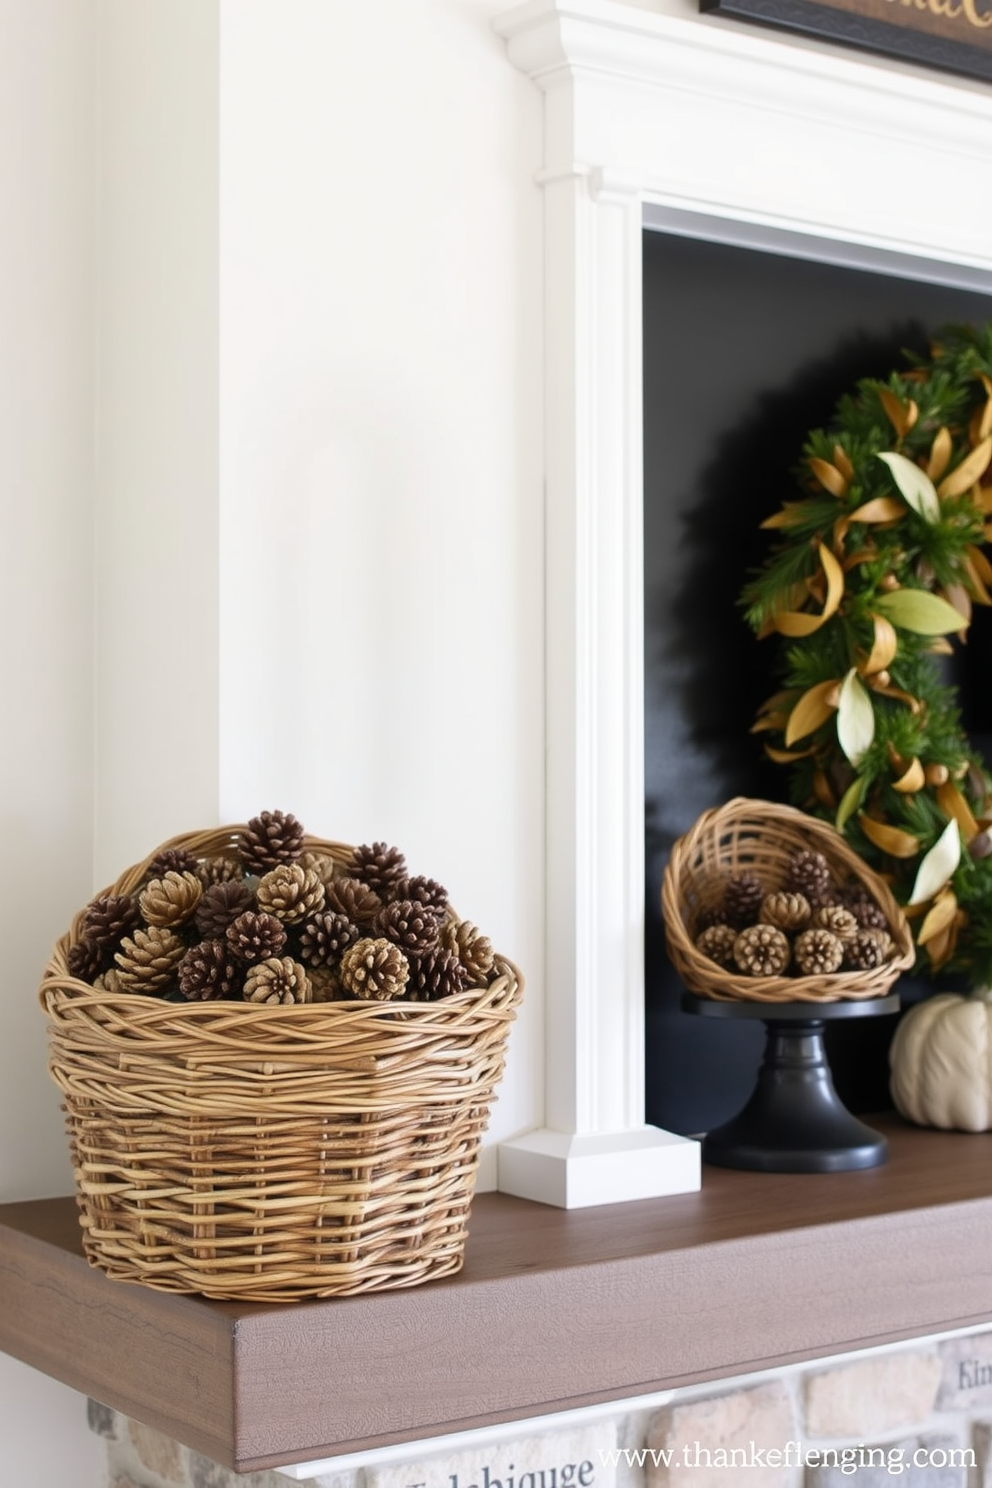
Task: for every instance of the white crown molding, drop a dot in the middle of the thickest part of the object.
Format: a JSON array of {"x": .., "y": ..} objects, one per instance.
[{"x": 713, "y": 129}]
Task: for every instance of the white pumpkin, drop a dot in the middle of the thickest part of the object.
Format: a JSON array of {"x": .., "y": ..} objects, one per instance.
[{"x": 941, "y": 1062}]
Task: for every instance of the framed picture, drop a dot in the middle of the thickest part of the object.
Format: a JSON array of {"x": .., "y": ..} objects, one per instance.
[{"x": 953, "y": 35}]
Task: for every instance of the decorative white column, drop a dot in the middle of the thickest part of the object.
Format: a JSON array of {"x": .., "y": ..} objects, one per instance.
[{"x": 595, "y": 1147}]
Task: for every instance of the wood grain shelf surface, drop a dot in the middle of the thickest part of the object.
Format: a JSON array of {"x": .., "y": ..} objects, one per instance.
[{"x": 553, "y": 1310}]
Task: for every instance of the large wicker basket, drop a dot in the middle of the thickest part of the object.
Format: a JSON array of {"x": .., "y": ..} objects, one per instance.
[
  {"x": 273, "y": 1152},
  {"x": 762, "y": 836}
]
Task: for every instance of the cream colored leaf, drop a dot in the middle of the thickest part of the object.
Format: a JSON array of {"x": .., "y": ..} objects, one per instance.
[
  {"x": 914, "y": 484},
  {"x": 920, "y": 611},
  {"x": 938, "y": 865},
  {"x": 855, "y": 718}
]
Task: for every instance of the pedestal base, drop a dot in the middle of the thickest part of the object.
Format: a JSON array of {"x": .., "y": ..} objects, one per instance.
[{"x": 794, "y": 1121}]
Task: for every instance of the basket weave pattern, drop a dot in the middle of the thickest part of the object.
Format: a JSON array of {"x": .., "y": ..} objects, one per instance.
[
  {"x": 274, "y": 1152},
  {"x": 762, "y": 836}
]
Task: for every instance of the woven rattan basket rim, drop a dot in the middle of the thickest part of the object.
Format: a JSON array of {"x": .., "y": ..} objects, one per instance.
[{"x": 774, "y": 828}]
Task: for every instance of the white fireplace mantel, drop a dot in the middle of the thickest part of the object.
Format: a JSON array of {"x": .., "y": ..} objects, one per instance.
[{"x": 713, "y": 129}]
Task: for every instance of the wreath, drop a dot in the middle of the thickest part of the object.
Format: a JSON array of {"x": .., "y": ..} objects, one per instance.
[{"x": 870, "y": 583}]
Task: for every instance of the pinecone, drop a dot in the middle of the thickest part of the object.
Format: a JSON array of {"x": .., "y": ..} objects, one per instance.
[
  {"x": 356, "y": 901},
  {"x": 291, "y": 893},
  {"x": 761, "y": 950},
  {"x": 809, "y": 873},
  {"x": 325, "y": 938},
  {"x": 374, "y": 970},
  {"x": 818, "y": 952},
  {"x": 712, "y": 915},
  {"x": 473, "y": 949},
  {"x": 742, "y": 898},
  {"x": 84, "y": 960},
  {"x": 325, "y": 867},
  {"x": 172, "y": 899},
  {"x": 864, "y": 951},
  {"x": 107, "y": 982},
  {"x": 277, "y": 980},
  {"x": 172, "y": 860},
  {"x": 426, "y": 891},
  {"x": 325, "y": 984},
  {"x": 378, "y": 865},
  {"x": 147, "y": 960},
  {"x": 717, "y": 942},
  {"x": 407, "y": 924},
  {"x": 270, "y": 838},
  {"x": 255, "y": 937},
  {"x": 787, "y": 911},
  {"x": 108, "y": 919},
  {"x": 209, "y": 971},
  {"x": 439, "y": 973},
  {"x": 219, "y": 870},
  {"x": 221, "y": 905},
  {"x": 838, "y": 920},
  {"x": 869, "y": 914}
]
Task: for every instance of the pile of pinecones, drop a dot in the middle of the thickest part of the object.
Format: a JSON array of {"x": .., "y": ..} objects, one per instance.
[
  {"x": 275, "y": 923},
  {"x": 809, "y": 926}
]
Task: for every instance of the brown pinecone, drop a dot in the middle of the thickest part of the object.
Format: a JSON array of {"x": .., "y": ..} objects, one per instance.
[
  {"x": 277, "y": 980},
  {"x": 439, "y": 973},
  {"x": 742, "y": 898},
  {"x": 818, "y": 952},
  {"x": 220, "y": 870},
  {"x": 172, "y": 860},
  {"x": 407, "y": 924},
  {"x": 108, "y": 919},
  {"x": 325, "y": 984},
  {"x": 789, "y": 912},
  {"x": 761, "y": 950},
  {"x": 221, "y": 905},
  {"x": 869, "y": 914},
  {"x": 290, "y": 892},
  {"x": 84, "y": 961},
  {"x": 374, "y": 969},
  {"x": 209, "y": 971},
  {"x": 325, "y": 938},
  {"x": 713, "y": 915},
  {"x": 838, "y": 920},
  {"x": 271, "y": 837},
  {"x": 426, "y": 891},
  {"x": 378, "y": 865},
  {"x": 864, "y": 951},
  {"x": 355, "y": 900},
  {"x": 147, "y": 960},
  {"x": 717, "y": 942},
  {"x": 172, "y": 899},
  {"x": 809, "y": 873},
  {"x": 255, "y": 937},
  {"x": 473, "y": 949}
]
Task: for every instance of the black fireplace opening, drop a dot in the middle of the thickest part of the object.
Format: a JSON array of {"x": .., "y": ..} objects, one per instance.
[{"x": 744, "y": 353}]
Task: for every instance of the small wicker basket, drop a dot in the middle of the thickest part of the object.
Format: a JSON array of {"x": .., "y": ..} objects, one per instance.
[
  {"x": 762, "y": 836},
  {"x": 271, "y": 1152}
]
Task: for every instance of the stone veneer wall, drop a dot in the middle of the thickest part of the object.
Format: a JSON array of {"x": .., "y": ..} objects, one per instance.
[{"x": 919, "y": 1414}]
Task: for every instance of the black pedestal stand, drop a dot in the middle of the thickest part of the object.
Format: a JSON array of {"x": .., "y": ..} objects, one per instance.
[{"x": 794, "y": 1121}]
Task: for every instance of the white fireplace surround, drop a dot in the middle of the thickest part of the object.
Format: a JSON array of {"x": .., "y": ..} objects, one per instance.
[{"x": 718, "y": 130}]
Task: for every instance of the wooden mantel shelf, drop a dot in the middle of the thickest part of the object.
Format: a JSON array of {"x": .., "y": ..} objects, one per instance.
[{"x": 554, "y": 1310}]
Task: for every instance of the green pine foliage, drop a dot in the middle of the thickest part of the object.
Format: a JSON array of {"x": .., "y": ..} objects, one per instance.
[{"x": 863, "y": 520}]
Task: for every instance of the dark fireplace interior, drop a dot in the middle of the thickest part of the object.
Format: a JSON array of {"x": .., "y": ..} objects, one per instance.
[{"x": 744, "y": 353}]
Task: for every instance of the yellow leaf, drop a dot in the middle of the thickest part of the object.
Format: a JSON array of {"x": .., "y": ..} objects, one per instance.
[
  {"x": 953, "y": 804},
  {"x": 940, "y": 646},
  {"x": 959, "y": 598},
  {"x": 850, "y": 802},
  {"x": 795, "y": 623},
  {"x": 938, "y": 865},
  {"x": 893, "y": 840},
  {"x": 771, "y": 723},
  {"x": 912, "y": 779},
  {"x": 980, "y": 423},
  {"x": 843, "y": 462},
  {"x": 863, "y": 555},
  {"x": 971, "y": 469},
  {"x": 880, "y": 509},
  {"x": 786, "y": 756},
  {"x": 912, "y": 703},
  {"x": 822, "y": 790},
  {"x": 979, "y": 593},
  {"x": 940, "y": 454},
  {"x": 939, "y": 917},
  {"x": 884, "y": 646},
  {"x": 813, "y": 709},
  {"x": 791, "y": 515},
  {"x": 829, "y": 476},
  {"x": 901, "y": 415},
  {"x": 982, "y": 564}
]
